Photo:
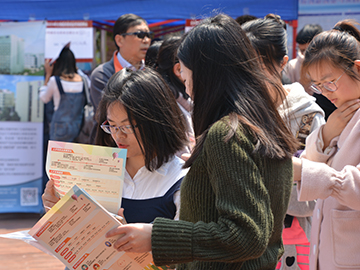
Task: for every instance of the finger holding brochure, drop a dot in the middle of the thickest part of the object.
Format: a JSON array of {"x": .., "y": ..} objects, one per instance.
[{"x": 74, "y": 231}]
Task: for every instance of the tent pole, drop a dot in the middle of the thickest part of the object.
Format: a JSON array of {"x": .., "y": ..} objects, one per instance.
[
  {"x": 93, "y": 65},
  {"x": 294, "y": 26},
  {"x": 103, "y": 46}
]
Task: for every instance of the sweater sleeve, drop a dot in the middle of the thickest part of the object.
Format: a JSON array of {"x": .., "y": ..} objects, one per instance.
[{"x": 244, "y": 218}]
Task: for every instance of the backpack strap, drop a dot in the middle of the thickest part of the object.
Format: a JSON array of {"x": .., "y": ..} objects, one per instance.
[
  {"x": 304, "y": 128},
  {"x": 59, "y": 85},
  {"x": 86, "y": 91}
]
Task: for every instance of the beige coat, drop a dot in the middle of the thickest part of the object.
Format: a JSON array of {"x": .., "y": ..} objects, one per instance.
[
  {"x": 335, "y": 234},
  {"x": 293, "y": 68}
]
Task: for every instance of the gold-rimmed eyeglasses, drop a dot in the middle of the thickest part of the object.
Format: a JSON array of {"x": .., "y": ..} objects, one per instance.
[{"x": 330, "y": 86}]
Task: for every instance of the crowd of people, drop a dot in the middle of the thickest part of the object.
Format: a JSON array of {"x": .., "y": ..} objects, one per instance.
[{"x": 228, "y": 166}]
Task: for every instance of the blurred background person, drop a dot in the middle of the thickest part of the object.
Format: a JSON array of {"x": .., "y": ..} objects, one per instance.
[
  {"x": 328, "y": 170},
  {"x": 152, "y": 53},
  {"x": 65, "y": 88},
  {"x": 168, "y": 66},
  {"x": 132, "y": 38},
  {"x": 300, "y": 111}
]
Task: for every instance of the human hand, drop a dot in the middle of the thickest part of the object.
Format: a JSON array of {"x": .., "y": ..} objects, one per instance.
[
  {"x": 48, "y": 70},
  {"x": 185, "y": 156},
  {"x": 50, "y": 197},
  {"x": 338, "y": 120},
  {"x": 134, "y": 237},
  {"x": 120, "y": 216}
]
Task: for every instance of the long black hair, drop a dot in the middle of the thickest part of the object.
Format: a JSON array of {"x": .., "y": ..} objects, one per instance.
[
  {"x": 152, "y": 107},
  {"x": 167, "y": 58},
  {"x": 228, "y": 80},
  {"x": 269, "y": 38},
  {"x": 65, "y": 64}
]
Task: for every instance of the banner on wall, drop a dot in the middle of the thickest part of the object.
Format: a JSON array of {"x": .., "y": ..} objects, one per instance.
[
  {"x": 80, "y": 34},
  {"x": 326, "y": 13},
  {"x": 21, "y": 116},
  {"x": 190, "y": 24}
]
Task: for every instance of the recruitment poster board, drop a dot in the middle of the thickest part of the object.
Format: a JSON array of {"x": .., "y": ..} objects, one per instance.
[
  {"x": 21, "y": 116},
  {"x": 80, "y": 34}
]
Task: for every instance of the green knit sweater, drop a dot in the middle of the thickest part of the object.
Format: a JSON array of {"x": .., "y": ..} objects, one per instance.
[{"x": 233, "y": 203}]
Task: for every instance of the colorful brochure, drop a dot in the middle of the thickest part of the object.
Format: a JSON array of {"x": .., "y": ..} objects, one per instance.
[
  {"x": 74, "y": 229},
  {"x": 99, "y": 170}
]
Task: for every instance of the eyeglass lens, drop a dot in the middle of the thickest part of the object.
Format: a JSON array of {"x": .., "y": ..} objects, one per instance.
[{"x": 142, "y": 35}]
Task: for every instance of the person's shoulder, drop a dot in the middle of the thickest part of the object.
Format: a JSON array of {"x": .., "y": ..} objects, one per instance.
[
  {"x": 52, "y": 79},
  {"x": 224, "y": 125},
  {"x": 220, "y": 130},
  {"x": 291, "y": 64},
  {"x": 221, "y": 126},
  {"x": 174, "y": 161},
  {"x": 293, "y": 61},
  {"x": 51, "y": 82},
  {"x": 107, "y": 68},
  {"x": 172, "y": 169},
  {"x": 295, "y": 88}
]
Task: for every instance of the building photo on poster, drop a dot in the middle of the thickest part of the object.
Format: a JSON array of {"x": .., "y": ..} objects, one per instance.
[{"x": 21, "y": 116}]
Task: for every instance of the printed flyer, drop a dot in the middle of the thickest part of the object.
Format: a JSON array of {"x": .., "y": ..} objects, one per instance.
[
  {"x": 74, "y": 229},
  {"x": 98, "y": 170}
]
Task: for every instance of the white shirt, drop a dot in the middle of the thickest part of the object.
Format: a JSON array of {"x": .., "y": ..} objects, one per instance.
[
  {"x": 146, "y": 184},
  {"x": 126, "y": 64},
  {"x": 51, "y": 91}
]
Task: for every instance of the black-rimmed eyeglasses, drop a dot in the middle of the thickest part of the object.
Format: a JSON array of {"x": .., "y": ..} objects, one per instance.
[
  {"x": 330, "y": 86},
  {"x": 140, "y": 34},
  {"x": 127, "y": 129}
]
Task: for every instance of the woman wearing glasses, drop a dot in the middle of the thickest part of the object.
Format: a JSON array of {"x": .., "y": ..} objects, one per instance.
[
  {"x": 235, "y": 195},
  {"x": 329, "y": 168},
  {"x": 139, "y": 113}
]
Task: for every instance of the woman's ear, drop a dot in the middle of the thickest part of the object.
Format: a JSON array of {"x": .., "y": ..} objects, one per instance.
[
  {"x": 284, "y": 61},
  {"x": 176, "y": 70},
  {"x": 357, "y": 65}
]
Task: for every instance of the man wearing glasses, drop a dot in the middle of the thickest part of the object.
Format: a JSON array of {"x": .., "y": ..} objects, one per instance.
[{"x": 132, "y": 39}]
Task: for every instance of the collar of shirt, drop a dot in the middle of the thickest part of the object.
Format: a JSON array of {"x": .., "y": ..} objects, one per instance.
[
  {"x": 146, "y": 184},
  {"x": 126, "y": 64}
]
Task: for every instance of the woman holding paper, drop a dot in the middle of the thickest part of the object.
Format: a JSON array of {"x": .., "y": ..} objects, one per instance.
[
  {"x": 235, "y": 195},
  {"x": 63, "y": 91},
  {"x": 138, "y": 112}
]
